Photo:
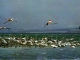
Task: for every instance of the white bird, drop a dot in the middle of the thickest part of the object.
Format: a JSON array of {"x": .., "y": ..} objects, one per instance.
[{"x": 9, "y": 20}]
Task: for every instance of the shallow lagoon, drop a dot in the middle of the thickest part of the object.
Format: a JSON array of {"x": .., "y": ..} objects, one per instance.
[{"x": 46, "y": 53}]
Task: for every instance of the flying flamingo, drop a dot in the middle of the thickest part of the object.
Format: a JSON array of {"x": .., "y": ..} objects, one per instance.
[
  {"x": 49, "y": 22},
  {"x": 4, "y": 28},
  {"x": 9, "y": 20}
]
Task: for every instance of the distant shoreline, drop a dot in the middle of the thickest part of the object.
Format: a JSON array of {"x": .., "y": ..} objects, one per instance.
[{"x": 39, "y": 33}]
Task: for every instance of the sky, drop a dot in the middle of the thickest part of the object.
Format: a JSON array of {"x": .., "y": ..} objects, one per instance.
[{"x": 33, "y": 14}]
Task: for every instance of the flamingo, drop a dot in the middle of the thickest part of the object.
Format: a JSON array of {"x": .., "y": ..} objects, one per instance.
[
  {"x": 9, "y": 20},
  {"x": 49, "y": 22},
  {"x": 4, "y": 28}
]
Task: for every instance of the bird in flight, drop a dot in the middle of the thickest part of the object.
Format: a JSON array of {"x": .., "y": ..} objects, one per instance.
[
  {"x": 4, "y": 28},
  {"x": 49, "y": 22},
  {"x": 9, "y": 20}
]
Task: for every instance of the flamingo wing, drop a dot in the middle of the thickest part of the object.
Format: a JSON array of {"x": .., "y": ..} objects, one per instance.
[{"x": 6, "y": 22}]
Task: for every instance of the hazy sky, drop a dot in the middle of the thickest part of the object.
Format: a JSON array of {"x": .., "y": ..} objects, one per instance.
[{"x": 33, "y": 14}]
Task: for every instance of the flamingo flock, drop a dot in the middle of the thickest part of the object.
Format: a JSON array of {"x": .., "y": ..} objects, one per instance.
[{"x": 32, "y": 42}]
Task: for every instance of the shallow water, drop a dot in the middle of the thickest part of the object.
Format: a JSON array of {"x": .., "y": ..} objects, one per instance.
[{"x": 46, "y": 53}]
